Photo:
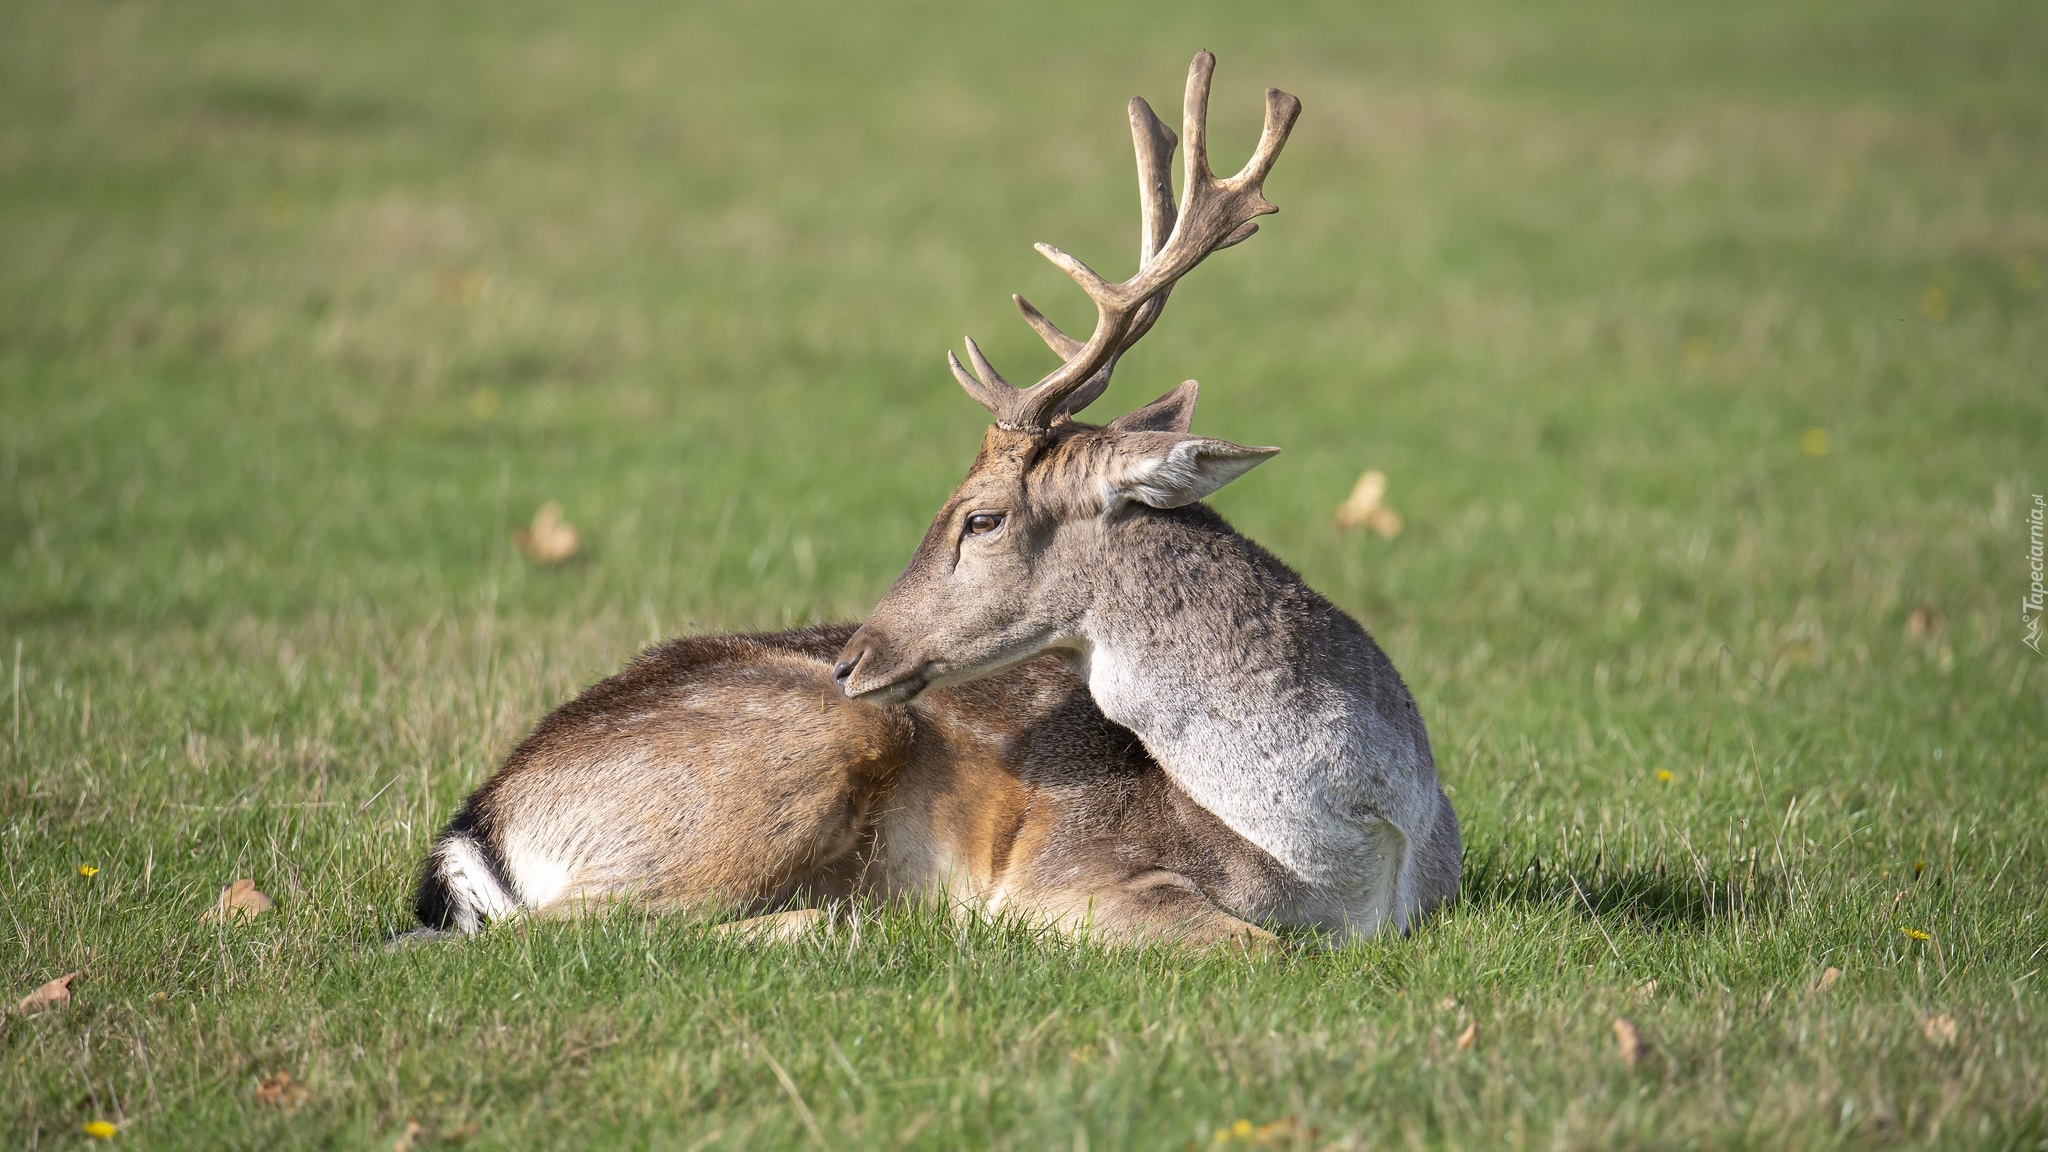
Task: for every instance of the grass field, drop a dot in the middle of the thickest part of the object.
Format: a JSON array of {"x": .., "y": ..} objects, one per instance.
[{"x": 1704, "y": 347}]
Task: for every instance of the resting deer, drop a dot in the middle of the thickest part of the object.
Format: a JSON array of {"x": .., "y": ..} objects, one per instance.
[
  {"x": 1086, "y": 699},
  {"x": 1263, "y": 702}
]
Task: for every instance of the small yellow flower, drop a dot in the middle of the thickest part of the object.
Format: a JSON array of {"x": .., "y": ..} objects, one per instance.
[
  {"x": 1664, "y": 775},
  {"x": 88, "y": 871},
  {"x": 100, "y": 1129},
  {"x": 1241, "y": 1129},
  {"x": 1915, "y": 934},
  {"x": 1815, "y": 442}
]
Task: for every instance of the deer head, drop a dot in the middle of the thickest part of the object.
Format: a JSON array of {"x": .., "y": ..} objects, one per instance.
[{"x": 1002, "y": 574}]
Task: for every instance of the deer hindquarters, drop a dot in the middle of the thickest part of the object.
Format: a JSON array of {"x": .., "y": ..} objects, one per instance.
[{"x": 709, "y": 774}]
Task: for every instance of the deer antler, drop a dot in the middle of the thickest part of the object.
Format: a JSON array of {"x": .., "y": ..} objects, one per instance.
[{"x": 1214, "y": 214}]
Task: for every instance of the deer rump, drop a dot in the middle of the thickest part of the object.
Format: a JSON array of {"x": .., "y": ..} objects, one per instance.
[
  {"x": 1086, "y": 698},
  {"x": 729, "y": 775}
]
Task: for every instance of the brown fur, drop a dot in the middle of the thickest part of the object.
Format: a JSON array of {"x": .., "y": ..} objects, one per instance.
[{"x": 729, "y": 773}]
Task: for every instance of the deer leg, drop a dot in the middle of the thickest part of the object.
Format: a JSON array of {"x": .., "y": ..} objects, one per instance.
[
  {"x": 1438, "y": 861},
  {"x": 778, "y": 927},
  {"x": 1158, "y": 907},
  {"x": 1391, "y": 897}
]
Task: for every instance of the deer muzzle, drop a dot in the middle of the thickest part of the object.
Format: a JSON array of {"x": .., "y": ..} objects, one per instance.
[{"x": 867, "y": 671}]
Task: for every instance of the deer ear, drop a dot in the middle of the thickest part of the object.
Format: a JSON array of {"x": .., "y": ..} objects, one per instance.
[
  {"x": 1172, "y": 412},
  {"x": 1170, "y": 469}
]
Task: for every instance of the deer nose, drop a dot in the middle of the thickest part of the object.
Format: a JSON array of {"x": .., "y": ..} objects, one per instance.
[{"x": 844, "y": 668}]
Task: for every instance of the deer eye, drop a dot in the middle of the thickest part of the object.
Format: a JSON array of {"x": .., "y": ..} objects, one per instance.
[{"x": 983, "y": 523}]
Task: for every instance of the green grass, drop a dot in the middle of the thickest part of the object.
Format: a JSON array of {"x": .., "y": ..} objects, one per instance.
[{"x": 301, "y": 312}]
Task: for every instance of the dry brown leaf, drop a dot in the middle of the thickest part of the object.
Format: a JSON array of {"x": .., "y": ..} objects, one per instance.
[
  {"x": 1367, "y": 507},
  {"x": 405, "y": 1138},
  {"x": 239, "y": 903},
  {"x": 1628, "y": 1040},
  {"x": 1468, "y": 1036},
  {"x": 464, "y": 287},
  {"x": 1924, "y": 621},
  {"x": 1448, "y": 1003},
  {"x": 282, "y": 1091},
  {"x": 1827, "y": 979},
  {"x": 550, "y": 540},
  {"x": 1939, "y": 1030},
  {"x": 54, "y": 994}
]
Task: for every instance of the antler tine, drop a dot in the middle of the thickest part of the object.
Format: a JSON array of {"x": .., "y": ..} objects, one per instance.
[
  {"x": 1154, "y": 144},
  {"x": 1281, "y": 112},
  {"x": 1062, "y": 345},
  {"x": 993, "y": 401},
  {"x": 1194, "y": 123},
  {"x": 983, "y": 368},
  {"x": 1213, "y": 214}
]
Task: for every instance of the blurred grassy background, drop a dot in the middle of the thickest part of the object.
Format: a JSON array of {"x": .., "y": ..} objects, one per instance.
[{"x": 303, "y": 309}]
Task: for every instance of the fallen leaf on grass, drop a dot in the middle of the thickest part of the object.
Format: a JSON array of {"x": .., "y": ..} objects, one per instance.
[
  {"x": 550, "y": 540},
  {"x": 239, "y": 903},
  {"x": 99, "y": 1129},
  {"x": 282, "y": 1091},
  {"x": 1827, "y": 979},
  {"x": 464, "y": 287},
  {"x": 1939, "y": 1030},
  {"x": 1924, "y": 621},
  {"x": 405, "y": 1138},
  {"x": 1628, "y": 1040},
  {"x": 1468, "y": 1036},
  {"x": 1367, "y": 507},
  {"x": 55, "y": 994}
]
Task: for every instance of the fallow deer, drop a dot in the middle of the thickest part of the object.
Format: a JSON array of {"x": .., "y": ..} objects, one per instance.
[
  {"x": 1086, "y": 700},
  {"x": 1263, "y": 702}
]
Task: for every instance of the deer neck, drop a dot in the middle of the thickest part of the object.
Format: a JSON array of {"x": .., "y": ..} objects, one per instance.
[{"x": 1265, "y": 703}]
